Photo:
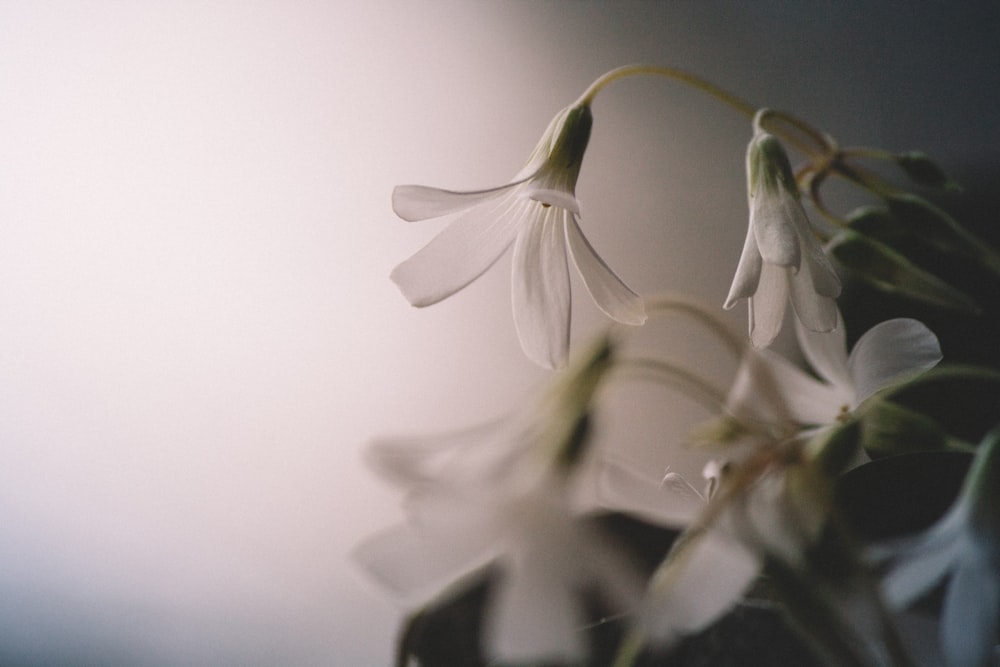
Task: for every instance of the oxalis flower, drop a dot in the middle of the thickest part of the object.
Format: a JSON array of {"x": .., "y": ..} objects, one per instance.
[
  {"x": 538, "y": 213},
  {"x": 500, "y": 498},
  {"x": 888, "y": 352},
  {"x": 782, "y": 259},
  {"x": 965, "y": 545}
]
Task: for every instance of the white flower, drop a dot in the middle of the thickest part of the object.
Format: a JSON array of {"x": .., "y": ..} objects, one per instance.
[
  {"x": 500, "y": 497},
  {"x": 538, "y": 213},
  {"x": 731, "y": 533},
  {"x": 888, "y": 352},
  {"x": 781, "y": 258},
  {"x": 964, "y": 544},
  {"x": 672, "y": 502}
]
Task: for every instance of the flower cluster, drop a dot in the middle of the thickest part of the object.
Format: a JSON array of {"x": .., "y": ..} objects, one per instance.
[{"x": 505, "y": 503}]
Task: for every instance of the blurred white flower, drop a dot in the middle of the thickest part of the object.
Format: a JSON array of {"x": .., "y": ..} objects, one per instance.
[
  {"x": 782, "y": 259},
  {"x": 888, "y": 352},
  {"x": 671, "y": 502},
  {"x": 776, "y": 515},
  {"x": 538, "y": 213},
  {"x": 500, "y": 498},
  {"x": 964, "y": 544}
]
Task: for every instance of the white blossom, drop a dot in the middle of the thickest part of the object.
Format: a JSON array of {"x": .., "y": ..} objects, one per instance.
[
  {"x": 501, "y": 498},
  {"x": 964, "y": 545},
  {"x": 537, "y": 213},
  {"x": 782, "y": 259}
]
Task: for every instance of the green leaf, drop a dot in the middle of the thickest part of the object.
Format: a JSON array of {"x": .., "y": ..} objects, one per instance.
[
  {"x": 891, "y": 272},
  {"x": 936, "y": 228}
]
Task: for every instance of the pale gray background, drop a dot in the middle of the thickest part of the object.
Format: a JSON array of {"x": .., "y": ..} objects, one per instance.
[{"x": 197, "y": 330}]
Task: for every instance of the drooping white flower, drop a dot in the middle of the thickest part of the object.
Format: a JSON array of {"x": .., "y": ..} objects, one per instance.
[
  {"x": 538, "y": 213},
  {"x": 782, "y": 259},
  {"x": 500, "y": 498},
  {"x": 965, "y": 546},
  {"x": 888, "y": 352}
]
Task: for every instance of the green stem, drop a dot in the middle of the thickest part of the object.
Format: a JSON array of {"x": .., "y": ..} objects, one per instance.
[
  {"x": 698, "y": 312},
  {"x": 674, "y": 376},
  {"x": 674, "y": 73},
  {"x": 629, "y": 650}
]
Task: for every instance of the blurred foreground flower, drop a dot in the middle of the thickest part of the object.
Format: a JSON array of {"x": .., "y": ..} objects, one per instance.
[
  {"x": 537, "y": 212},
  {"x": 964, "y": 544},
  {"x": 781, "y": 258},
  {"x": 501, "y": 498}
]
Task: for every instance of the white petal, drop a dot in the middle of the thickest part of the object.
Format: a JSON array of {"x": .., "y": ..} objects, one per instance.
[
  {"x": 698, "y": 585},
  {"x": 802, "y": 397},
  {"x": 971, "y": 614},
  {"x": 407, "y": 461},
  {"x": 462, "y": 251},
  {"x": 747, "y": 272},
  {"x": 420, "y": 202},
  {"x": 767, "y": 306},
  {"x": 533, "y": 619},
  {"x": 540, "y": 293},
  {"x": 890, "y": 351},
  {"x": 415, "y": 567},
  {"x": 816, "y": 311},
  {"x": 673, "y": 503},
  {"x": 827, "y": 353},
  {"x": 920, "y": 569},
  {"x": 610, "y": 294},
  {"x": 772, "y": 218},
  {"x": 824, "y": 277},
  {"x": 559, "y": 198}
]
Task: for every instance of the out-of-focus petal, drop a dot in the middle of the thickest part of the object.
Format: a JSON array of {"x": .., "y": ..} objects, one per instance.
[
  {"x": 420, "y": 202},
  {"x": 890, "y": 351},
  {"x": 747, "y": 272},
  {"x": 698, "y": 585},
  {"x": 673, "y": 503},
  {"x": 462, "y": 251},
  {"x": 925, "y": 562},
  {"x": 767, "y": 306},
  {"x": 608, "y": 291},
  {"x": 415, "y": 566},
  {"x": 803, "y": 398},
  {"x": 412, "y": 460},
  {"x": 534, "y": 619},
  {"x": 826, "y": 352},
  {"x": 971, "y": 614},
  {"x": 541, "y": 295}
]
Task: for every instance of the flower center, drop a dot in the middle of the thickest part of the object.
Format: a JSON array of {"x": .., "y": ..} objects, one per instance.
[{"x": 844, "y": 414}]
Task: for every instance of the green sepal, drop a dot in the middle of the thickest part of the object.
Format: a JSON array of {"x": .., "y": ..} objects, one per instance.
[
  {"x": 891, "y": 272},
  {"x": 924, "y": 171},
  {"x": 835, "y": 448}
]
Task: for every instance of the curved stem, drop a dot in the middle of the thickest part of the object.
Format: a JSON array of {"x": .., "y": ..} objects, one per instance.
[
  {"x": 698, "y": 312},
  {"x": 796, "y": 132},
  {"x": 673, "y": 376},
  {"x": 674, "y": 73}
]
